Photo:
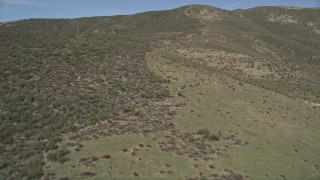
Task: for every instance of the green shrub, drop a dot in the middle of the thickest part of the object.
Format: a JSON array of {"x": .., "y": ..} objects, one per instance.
[
  {"x": 51, "y": 146},
  {"x": 203, "y": 132},
  {"x": 212, "y": 137},
  {"x": 192, "y": 139},
  {"x": 207, "y": 135},
  {"x": 58, "y": 155},
  {"x": 200, "y": 145},
  {"x": 33, "y": 169},
  {"x": 3, "y": 164},
  {"x": 163, "y": 93}
]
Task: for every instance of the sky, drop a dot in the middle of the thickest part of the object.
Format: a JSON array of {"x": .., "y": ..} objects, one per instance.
[{"x": 25, "y": 9}]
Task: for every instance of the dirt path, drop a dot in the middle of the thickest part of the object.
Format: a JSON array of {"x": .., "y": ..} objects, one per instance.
[{"x": 313, "y": 104}]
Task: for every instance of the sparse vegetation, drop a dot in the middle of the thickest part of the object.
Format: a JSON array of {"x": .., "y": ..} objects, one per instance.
[{"x": 165, "y": 85}]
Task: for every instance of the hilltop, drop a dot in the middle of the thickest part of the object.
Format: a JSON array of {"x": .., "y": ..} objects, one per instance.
[{"x": 189, "y": 93}]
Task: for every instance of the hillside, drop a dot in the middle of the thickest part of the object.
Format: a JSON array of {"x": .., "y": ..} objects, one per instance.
[{"x": 189, "y": 93}]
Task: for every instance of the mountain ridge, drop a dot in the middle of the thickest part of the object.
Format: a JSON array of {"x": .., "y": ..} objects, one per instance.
[{"x": 191, "y": 5}]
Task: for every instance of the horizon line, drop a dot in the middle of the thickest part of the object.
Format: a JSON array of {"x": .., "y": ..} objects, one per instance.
[{"x": 124, "y": 14}]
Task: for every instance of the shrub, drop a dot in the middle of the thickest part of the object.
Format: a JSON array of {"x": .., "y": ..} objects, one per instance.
[
  {"x": 3, "y": 164},
  {"x": 203, "y": 132},
  {"x": 58, "y": 155},
  {"x": 51, "y": 146},
  {"x": 192, "y": 139},
  {"x": 88, "y": 174},
  {"x": 207, "y": 135},
  {"x": 163, "y": 93},
  {"x": 33, "y": 169},
  {"x": 200, "y": 145},
  {"x": 213, "y": 137}
]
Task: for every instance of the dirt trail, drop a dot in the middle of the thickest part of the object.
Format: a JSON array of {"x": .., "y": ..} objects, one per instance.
[{"x": 313, "y": 104}]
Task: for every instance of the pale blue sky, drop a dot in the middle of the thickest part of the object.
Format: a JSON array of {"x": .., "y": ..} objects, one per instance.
[{"x": 25, "y": 9}]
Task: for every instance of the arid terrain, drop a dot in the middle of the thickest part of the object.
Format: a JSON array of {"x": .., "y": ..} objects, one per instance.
[{"x": 195, "y": 92}]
